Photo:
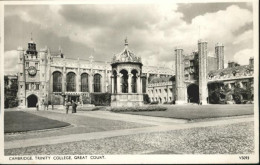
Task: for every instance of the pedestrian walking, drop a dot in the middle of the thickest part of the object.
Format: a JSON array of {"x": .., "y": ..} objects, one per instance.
[
  {"x": 74, "y": 106},
  {"x": 67, "y": 105}
]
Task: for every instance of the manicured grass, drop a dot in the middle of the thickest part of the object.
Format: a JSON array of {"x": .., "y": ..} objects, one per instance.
[
  {"x": 17, "y": 121},
  {"x": 190, "y": 112}
]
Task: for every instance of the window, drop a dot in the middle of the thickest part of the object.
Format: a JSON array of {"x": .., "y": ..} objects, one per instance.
[
  {"x": 97, "y": 83},
  {"x": 21, "y": 86},
  {"x": 43, "y": 75},
  {"x": 57, "y": 82},
  {"x": 27, "y": 86},
  {"x": 27, "y": 64},
  {"x": 42, "y": 86},
  {"x": 84, "y": 82},
  {"x": 21, "y": 74},
  {"x": 37, "y": 86},
  {"x": 36, "y": 65},
  {"x": 71, "y": 82}
]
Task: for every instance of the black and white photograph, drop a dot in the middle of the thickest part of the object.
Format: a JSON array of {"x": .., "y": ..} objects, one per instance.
[{"x": 129, "y": 82}]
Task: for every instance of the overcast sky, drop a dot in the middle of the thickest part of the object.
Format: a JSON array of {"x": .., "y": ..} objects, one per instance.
[{"x": 153, "y": 30}]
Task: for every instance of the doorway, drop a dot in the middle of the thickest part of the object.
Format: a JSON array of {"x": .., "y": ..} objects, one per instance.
[
  {"x": 32, "y": 101},
  {"x": 193, "y": 93}
]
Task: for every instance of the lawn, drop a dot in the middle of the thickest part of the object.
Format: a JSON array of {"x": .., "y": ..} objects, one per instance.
[
  {"x": 191, "y": 112},
  {"x": 17, "y": 121}
]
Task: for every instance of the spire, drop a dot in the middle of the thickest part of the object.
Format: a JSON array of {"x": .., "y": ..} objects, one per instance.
[
  {"x": 91, "y": 56},
  {"x": 31, "y": 37},
  {"x": 126, "y": 42}
]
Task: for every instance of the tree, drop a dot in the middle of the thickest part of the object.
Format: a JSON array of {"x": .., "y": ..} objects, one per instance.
[{"x": 10, "y": 97}]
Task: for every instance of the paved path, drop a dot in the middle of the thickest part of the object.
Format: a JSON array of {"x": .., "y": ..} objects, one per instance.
[
  {"x": 105, "y": 134},
  {"x": 129, "y": 118}
]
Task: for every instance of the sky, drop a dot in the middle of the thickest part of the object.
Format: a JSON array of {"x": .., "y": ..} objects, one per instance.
[{"x": 153, "y": 31}]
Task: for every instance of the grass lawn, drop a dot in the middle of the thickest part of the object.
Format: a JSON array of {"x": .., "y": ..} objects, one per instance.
[
  {"x": 191, "y": 112},
  {"x": 17, "y": 121}
]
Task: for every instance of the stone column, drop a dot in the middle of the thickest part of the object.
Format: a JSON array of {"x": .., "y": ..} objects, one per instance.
[
  {"x": 78, "y": 81},
  {"x": 119, "y": 83},
  {"x": 112, "y": 84},
  {"x": 203, "y": 88},
  {"x": 147, "y": 77},
  {"x": 141, "y": 85},
  {"x": 180, "y": 86},
  {"x": 90, "y": 83},
  {"x": 129, "y": 82},
  {"x": 64, "y": 80},
  {"x": 138, "y": 83}
]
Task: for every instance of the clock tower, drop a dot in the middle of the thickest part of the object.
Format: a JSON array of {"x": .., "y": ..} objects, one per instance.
[{"x": 32, "y": 81}]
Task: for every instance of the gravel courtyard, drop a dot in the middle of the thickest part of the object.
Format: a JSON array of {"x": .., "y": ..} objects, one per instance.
[{"x": 227, "y": 139}]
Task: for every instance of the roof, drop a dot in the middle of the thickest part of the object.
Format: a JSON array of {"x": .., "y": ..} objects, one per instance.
[
  {"x": 237, "y": 69},
  {"x": 162, "y": 79},
  {"x": 126, "y": 56}
]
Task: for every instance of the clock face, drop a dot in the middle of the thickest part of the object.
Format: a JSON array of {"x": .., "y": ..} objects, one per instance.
[{"x": 32, "y": 71}]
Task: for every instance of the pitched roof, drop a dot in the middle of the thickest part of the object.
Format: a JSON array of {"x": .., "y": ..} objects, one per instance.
[{"x": 238, "y": 69}]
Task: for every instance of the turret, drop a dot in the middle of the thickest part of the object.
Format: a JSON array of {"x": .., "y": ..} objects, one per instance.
[
  {"x": 203, "y": 53},
  {"x": 219, "y": 52},
  {"x": 180, "y": 86}
]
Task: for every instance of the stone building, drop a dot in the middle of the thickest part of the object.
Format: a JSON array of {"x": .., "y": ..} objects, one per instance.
[
  {"x": 196, "y": 72},
  {"x": 50, "y": 76},
  {"x": 127, "y": 86},
  {"x": 162, "y": 89}
]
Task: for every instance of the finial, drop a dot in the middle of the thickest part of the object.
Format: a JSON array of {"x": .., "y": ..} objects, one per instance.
[
  {"x": 126, "y": 43},
  {"x": 31, "y": 37}
]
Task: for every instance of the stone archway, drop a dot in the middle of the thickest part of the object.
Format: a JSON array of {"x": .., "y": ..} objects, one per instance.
[
  {"x": 32, "y": 101},
  {"x": 193, "y": 93}
]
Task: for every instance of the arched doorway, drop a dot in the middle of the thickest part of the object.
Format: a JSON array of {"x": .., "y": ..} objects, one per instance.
[
  {"x": 32, "y": 101},
  {"x": 193, "y": 93}
]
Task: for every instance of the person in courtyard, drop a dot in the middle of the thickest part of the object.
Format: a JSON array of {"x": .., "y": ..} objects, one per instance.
[
  {"x": 52, "y": 105},
  {"x": 74, "y": 106},
  {"x": 46, "y": 105},
  {"x": 67, "y": 105},
  {"x": 37, "y": 106}
]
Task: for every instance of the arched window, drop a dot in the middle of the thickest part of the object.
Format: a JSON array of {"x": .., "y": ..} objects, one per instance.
[
  {"x": 133, "y": 83},
  {"x": 144, "y": 84},
  {"x": 57, "y": 82},
  {"x": 97, "y": 83},
  {"x": 84, "y": 82},
  {"x": 115, "y": 81},
  {"x": 71, "y": 82},
  {"x": 124, "y": 81}
]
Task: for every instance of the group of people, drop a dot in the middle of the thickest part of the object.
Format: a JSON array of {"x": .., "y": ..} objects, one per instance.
[
  {"x": 73, "y": 104},
  {"x": 44, "y": 103}
]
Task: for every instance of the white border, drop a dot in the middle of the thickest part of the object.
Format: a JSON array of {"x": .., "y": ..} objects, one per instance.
[{"x": 254, "y": 158}]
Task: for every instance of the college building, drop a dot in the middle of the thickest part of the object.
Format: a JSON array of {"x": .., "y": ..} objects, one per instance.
[
  {"x": 45, "y": 75},
  {"x": 50, "y": 76}
]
